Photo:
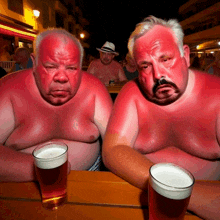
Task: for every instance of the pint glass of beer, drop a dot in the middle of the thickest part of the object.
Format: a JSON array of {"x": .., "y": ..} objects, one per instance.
[
  {"x": 170, "y": 188},
  {"x": 51, "y": 169}
]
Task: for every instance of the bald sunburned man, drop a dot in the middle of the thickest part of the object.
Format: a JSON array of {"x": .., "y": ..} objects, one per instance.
[{"x": 54, "y": 101}]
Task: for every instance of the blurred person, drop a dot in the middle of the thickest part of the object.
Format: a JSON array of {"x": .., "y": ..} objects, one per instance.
[
  {"x": 196, "y": 63},
  {"x": 54, "y": 101},
  {"x": 22, "y": 59},
  {"x": 106, "y": 68},
  {"x": 123, "y": 61},
  {"x": 130, "y": 68},
  {"x": 168, "y": 114},
  {"x": 214, "y": 68},
  {"x": 209, "y": 59},
  {"x": 4, "y": 53},
  {"x": 203, "y": 63}
]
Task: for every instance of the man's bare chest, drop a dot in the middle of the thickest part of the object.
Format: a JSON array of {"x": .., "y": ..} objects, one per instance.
[
  {"x": 194, "y": 134},
  {"x": 107, "y": 69},
  {"x": 38, "y": 124}
]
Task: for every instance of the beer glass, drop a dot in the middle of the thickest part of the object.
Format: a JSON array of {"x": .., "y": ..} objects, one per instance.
[
  {"x": 170, "y": 188},
  {"x": 51, "y": 166}
]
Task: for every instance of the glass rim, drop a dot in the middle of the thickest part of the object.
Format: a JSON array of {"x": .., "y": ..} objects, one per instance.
[
  {"x": 47, "y": 144},
  {"x": 174, "y": 165}
]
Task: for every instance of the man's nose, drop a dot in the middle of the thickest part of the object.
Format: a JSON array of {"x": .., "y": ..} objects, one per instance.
[
  {"x": 158, "y": 72},
  {"x": 105, "y": 55},
  {"x": 61, "y": 76}
]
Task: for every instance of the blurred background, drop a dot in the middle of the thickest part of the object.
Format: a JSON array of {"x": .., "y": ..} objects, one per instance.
[{"x": 95, "y": 22}]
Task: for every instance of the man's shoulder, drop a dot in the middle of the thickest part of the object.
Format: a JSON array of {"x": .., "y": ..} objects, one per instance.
[
  {"x": 206, "y": 87},
  {"x": 95, "y": 62},
  {"x": 131, "y": 90},
  {"x": 16, "y": 79},
  {"x": 91, "y": 81},
  {"x": 92, "y": 86},
  {"x": 132, "y": 84},
  {"x": 207, "y": 78},
  {"x": 16, "y": 85},
  {"x": 116, "y": 63},
  {"x": 88, "y": 77},
  {"x": 94, "y": 66}
]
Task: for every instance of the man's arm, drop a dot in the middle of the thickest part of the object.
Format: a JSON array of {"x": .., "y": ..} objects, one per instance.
[
  {"x": 205, "y": 199},
  {"x": 118, "y": 153},
  {"x": 125, "y": 162},
  {"x": 14, "y": 165},
  {"x": 103, "y": 108}
]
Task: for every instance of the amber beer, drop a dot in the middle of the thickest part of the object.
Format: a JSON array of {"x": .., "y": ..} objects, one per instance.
[
  {"x": 170, "y": 187},
  {"x": 51, "y": 169}
]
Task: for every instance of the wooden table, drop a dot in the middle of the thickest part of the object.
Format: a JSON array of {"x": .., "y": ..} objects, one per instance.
[
  {"x": 91, "y": 195},
  {"x": 114, "y": 89}
]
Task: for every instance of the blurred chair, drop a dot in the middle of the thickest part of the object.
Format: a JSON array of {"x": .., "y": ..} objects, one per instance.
[{"x": 7, "y": 65}]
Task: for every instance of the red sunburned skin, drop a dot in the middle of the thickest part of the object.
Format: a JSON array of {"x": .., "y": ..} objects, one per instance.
[
  {"x": 176, "y": 121},
  {"x": 157, "y": 55},
  {"x": 59, "y": 74}
]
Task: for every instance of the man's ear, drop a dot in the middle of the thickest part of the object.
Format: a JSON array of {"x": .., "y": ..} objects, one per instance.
[
  {"x": 33, "y": 60},
  {"x": 186, "y": 55}
]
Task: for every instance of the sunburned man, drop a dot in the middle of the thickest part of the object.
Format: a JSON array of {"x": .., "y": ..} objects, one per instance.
[
  {"x": 55, "y": 100},
  {"x": 106, "y": 68},
  {"x": 169, "y": 114}
]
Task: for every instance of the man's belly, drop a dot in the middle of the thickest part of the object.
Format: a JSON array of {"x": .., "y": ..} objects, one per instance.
[
  {"x": 200, "y": 168},
  {"x": 80, "y": 155}
]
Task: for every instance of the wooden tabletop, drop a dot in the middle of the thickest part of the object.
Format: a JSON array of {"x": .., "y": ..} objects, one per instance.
[
  {"x": 114, "y": 88},
  {"x": 91, "y": 195}
]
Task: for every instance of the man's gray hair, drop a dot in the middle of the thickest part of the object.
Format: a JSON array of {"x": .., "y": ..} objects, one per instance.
[
  {"x": 148, "y": 23},
  {"x": 63, "y": 35}
]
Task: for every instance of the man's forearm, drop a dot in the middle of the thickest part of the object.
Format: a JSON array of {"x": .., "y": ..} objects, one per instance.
[
  {"x": 129, "y": 165},
  {"x": 16, "y": 166},
  {"x": 205, "y": 199}
]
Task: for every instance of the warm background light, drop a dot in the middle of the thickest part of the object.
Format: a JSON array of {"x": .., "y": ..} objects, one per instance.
[
  {"x": 82, "y": 35},
  {"x": 36, "y": 13}
]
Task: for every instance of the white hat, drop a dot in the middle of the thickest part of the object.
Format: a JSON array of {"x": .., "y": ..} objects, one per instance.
[{"x": 108, "y": 47}]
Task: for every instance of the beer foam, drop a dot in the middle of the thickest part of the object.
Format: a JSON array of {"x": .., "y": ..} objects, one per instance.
[
  {"x": 50, "y": 157},
  {"x": 171, "y": 181}
]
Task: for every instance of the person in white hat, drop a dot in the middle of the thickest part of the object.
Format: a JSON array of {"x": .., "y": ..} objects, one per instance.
[{"x": 106, "y": 68}]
